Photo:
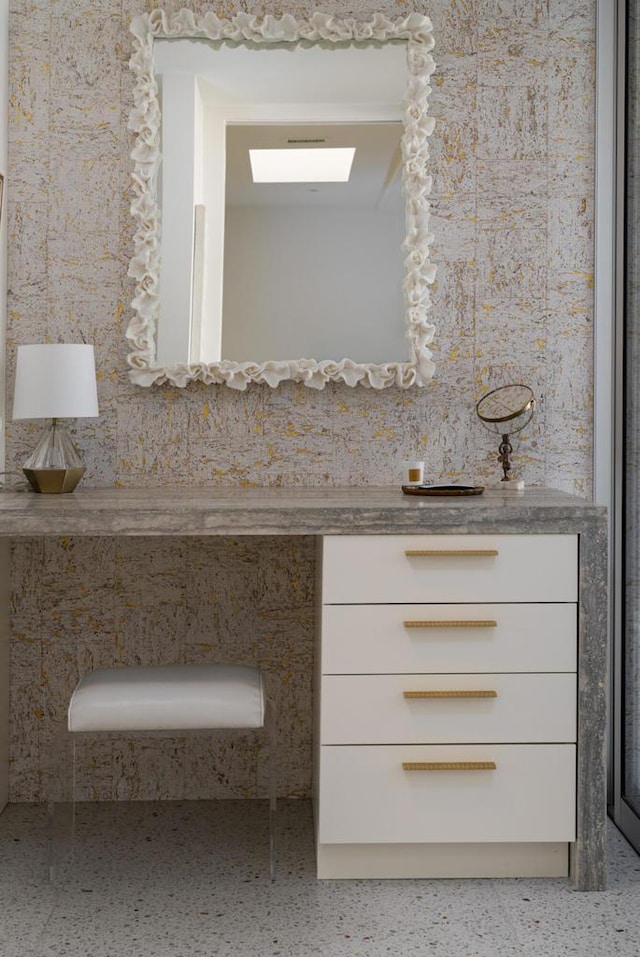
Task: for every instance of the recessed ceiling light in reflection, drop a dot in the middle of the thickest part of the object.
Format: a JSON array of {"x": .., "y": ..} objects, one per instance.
[{"x": 325, "y": 165}]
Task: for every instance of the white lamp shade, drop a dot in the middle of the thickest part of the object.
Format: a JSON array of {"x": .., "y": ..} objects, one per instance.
[{"x": 55, "y": 382}]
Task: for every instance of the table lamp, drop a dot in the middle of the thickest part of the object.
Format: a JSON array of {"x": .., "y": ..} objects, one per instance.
[{"x": 55, "y": 382}]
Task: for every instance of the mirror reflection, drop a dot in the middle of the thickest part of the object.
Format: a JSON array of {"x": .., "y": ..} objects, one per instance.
[{"x": 278, "y": 271}]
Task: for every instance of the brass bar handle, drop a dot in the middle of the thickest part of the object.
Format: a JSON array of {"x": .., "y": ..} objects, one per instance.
[
  {"x": 451, "y": 552},
  {"x": 449, "y": 766},
  {"x": 469, "y": 623},
  {"x": 450, "y": 694}
]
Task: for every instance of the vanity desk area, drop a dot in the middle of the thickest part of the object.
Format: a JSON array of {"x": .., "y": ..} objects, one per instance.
[{"x": 460, "y": 687}]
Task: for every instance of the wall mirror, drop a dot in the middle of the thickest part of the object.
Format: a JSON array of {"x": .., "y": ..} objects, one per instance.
[{"x": 244, "y": 276}]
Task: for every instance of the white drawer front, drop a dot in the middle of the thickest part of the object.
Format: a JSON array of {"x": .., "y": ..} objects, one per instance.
[
  {"x": 474, "y": 568},
  {"x": 367, "y": 797},
  {"x": 384, "y": 709},
  {"x": 370, "y": 639}
]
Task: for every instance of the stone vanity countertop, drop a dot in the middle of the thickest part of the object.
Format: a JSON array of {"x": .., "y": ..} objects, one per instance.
[{"x": 290, "y": 511}]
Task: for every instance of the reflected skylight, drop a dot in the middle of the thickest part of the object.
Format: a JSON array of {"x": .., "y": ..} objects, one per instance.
[{"x": 324, "y": 165}]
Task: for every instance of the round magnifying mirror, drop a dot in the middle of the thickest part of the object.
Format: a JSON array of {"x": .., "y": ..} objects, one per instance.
[{"x": 505, "y": 411}]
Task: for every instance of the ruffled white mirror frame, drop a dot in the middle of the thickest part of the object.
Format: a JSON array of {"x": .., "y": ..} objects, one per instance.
[{"x": 145, "y": 122}]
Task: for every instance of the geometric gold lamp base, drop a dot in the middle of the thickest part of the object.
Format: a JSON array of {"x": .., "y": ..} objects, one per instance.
[
  {"x": 54, "y": 480},
  {"x": 55, "y": 464}
]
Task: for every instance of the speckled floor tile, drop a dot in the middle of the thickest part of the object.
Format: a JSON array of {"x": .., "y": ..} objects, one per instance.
[
  {"x": 27, "y": 900},
  {"x": 552, "y": 920},
  {"x": 190, "y": 879}
]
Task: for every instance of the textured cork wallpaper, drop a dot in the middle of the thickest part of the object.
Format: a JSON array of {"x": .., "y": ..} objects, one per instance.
[{"x": 513, "y": 180}]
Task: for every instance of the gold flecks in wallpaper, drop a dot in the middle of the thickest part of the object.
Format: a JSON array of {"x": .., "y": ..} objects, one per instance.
[
  {"x": 384, "y": 432},
  {"x": 512, "y": 164},
  {"x": 454, "y": 149}
]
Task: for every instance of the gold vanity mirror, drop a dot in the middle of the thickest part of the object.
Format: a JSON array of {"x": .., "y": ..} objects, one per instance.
[
  {"x": 506, "y": 411},
  {"x": 240, "y": 282}
]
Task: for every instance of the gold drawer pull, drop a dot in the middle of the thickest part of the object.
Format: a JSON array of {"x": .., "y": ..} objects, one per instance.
[
  {"x": 449, "y": 766},
  {"x": 451, "y": 552},
  {"x": 450, "y": 694},
  {"x": 482, "y": 623}
]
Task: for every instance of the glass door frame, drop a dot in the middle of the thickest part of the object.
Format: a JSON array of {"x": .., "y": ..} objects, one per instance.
[{"x": 612, "y": 74}]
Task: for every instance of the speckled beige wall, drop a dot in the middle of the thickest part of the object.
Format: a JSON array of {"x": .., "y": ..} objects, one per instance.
[{"x": 513, "y": 168}]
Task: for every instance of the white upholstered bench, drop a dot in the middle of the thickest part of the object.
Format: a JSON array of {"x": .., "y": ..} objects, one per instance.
[{"x": 167, "y": 698}]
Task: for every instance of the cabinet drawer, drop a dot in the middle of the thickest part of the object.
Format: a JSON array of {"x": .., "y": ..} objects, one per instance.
[
  {"x": 449, "y": 568},
  {"x": 382, "y": 639},
  {"x": 366, "y": 796},
  {"x": 386, "y": 709}
]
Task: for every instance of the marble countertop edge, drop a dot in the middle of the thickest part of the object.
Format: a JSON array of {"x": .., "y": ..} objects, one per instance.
[{"x": 289, "y": 511}]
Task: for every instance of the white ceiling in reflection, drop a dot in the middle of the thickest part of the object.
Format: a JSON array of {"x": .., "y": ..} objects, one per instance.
[
  {"x": 267, "y": 73},
  {"x": 375, "y": 175}
]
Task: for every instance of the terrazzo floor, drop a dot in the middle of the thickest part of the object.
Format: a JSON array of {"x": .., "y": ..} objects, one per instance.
[{"x": 191, "y": 880}]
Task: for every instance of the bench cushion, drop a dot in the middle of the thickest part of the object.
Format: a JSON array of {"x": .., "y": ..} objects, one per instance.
[{"x": 168, "y": 698}]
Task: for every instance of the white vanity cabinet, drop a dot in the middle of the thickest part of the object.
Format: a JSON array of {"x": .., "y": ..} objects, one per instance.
[{"x": 446, "y": 742}]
